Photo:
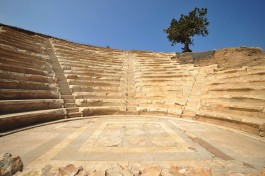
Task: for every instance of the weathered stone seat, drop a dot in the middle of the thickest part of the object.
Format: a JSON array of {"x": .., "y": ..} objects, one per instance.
[
  {"x": 35, "y": 60},
  {"x": 88, "y": 73},
  {"x": 99, "y": 102},
  {"x": 29, "y": 85},
  {"x": 156, "y": 110},
  {"x": 88, "y": 64},
  {"x": 25, "y": 64},
  {"x": 236, "y": 108},
  {"x": 20, "y": 45},
  {"x": 100, "y": 94},
  {"x": 91, "y": 88},
  {"x": 25, "y": 77},
  {"x": 16, "y": 120},
  {"x": 13, "y": 94},
  {"x": 95, "y": 80},
  {"x": 105, "y": 78},
  {"x": 19, "y": 40},
  {"x": 7, "y": 67},
  {"x": 253, "y": 124},
  {"x": 15, "y": 106},
  {"x": 105, "y": 110}
]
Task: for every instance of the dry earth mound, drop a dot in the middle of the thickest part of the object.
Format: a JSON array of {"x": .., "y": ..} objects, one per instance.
[{"x": 229, "y": 58}]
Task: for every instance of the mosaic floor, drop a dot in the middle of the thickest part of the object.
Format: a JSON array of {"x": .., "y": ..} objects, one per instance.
[{"x": 101, "y": 142}]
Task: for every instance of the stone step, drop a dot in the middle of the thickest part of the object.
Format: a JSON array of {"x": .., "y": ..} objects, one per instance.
[
  {"x": 63, "y": 83},
  {"x": 65, "y": 92},
  {"x": 56, "y": 66},
  {"x": 67, "y": 96},
  {"x": 74, "y": 114},
  {"x": 70, "y": 105},
  {"x": 58, "y": 69},
  {"x": 71, "y": 110},
  {"x": 64, "y": 87},
  {"x": 62, "y": 80},
  {"x": 59, "y": 75}
]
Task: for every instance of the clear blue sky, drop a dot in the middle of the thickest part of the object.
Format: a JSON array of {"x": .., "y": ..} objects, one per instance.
[{"x": 138, "y": 24}]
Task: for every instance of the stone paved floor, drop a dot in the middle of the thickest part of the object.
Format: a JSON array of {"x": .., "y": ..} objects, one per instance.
[{"x": 99, "y": 143}]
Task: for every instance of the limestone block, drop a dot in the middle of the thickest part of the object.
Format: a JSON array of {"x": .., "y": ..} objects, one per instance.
[
  {"x": 69, "y": 170},
  {"x": 10, "y": 165}
]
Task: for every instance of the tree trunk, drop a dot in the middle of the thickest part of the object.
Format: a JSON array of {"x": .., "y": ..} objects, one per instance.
[{"x": 186, "y": 48}]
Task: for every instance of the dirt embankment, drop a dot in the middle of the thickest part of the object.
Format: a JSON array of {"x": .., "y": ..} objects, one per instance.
[{"x": 229, "y": 58}]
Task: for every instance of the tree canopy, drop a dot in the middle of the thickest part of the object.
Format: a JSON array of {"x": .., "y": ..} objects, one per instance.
[{"x": 181, "y": 31}]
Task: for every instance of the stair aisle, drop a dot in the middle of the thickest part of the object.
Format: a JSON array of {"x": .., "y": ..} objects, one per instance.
[{"x": 65, "y": 92}]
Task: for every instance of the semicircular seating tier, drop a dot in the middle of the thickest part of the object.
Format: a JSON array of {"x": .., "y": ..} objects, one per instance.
[{"x": 43, "y": 78}]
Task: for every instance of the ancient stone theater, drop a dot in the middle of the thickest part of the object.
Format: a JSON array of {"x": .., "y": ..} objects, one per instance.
[{"x": 75, "y": 109}]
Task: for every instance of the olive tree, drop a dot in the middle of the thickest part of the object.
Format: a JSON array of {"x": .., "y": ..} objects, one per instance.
[{"x": 182, "y": 30}]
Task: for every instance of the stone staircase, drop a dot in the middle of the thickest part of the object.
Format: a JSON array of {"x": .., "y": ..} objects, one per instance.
[
  {"x": 159, "y": 84},
  {"x": 63, "y": 87},
  {"x": 131, "y": 102},
  {"x": 95, "y": 76},
  {"x": 193, "y": 97}
]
